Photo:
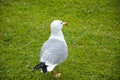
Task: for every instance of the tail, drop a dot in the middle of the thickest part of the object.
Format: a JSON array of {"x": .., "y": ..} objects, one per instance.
[{"x": 42, "y": 66}]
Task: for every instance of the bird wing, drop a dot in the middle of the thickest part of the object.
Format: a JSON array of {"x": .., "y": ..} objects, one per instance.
[{"x": 54, "y": 51}]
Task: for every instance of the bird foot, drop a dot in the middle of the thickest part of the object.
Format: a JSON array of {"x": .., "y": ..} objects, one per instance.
[{"x": 57, "y": 75}]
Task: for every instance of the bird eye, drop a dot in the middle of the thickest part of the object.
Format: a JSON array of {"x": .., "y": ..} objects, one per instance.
[{"x": 61, "y": 22}]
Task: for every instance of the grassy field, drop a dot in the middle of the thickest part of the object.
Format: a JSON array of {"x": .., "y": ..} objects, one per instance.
[{"x": 92, "y": 35}]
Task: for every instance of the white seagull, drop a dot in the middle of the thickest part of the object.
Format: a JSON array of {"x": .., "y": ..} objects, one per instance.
[{"x": 54, "y": 51}]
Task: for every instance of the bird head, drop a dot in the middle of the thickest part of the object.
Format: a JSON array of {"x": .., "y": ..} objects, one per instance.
[{"x": 57, "y": 24}]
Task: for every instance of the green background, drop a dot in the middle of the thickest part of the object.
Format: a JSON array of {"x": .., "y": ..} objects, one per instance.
[{"x": 92, "y": 35}]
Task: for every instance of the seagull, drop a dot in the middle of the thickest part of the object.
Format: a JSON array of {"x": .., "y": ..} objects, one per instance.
[{"x": 54, "y": 51}]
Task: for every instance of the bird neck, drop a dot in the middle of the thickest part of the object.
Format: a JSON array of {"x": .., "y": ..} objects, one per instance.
[{"x": 57, "y": 34}]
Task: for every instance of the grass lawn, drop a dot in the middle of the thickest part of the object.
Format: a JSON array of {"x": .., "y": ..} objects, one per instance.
[{"x": 92, "y": 35}]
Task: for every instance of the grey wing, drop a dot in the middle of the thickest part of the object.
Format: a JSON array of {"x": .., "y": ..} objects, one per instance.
[{"x": 54, "y": 51}]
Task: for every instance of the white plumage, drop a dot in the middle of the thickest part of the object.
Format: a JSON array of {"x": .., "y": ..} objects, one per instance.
[{"x": 54, "y": 51}]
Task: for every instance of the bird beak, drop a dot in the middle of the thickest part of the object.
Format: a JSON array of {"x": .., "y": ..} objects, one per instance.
[{"x": 64, "y": 23}]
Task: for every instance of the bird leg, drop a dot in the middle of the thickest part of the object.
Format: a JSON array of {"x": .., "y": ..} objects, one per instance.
[{"x": 55, "y": 74}]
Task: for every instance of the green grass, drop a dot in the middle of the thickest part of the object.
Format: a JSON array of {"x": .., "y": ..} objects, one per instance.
[{"x": 92, "y": 35}]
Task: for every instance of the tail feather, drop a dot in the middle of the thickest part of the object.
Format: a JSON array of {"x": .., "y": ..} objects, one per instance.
[{"x": 42, "y": 66}]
